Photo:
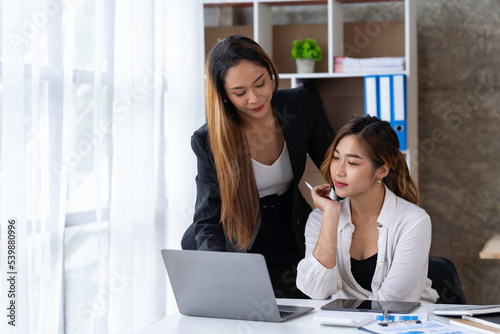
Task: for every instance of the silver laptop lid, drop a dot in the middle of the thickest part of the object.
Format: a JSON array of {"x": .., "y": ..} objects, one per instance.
[{"x": 221, "y": 284}]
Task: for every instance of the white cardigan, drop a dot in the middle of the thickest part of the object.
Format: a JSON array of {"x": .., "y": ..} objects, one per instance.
[{"x": 402, "y": 261}]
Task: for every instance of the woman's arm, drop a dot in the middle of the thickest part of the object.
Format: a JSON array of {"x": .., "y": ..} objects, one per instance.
[
  {"x": 326, "y": 247},
  {"x": 206, "y": 229},
  {"x": 317, "y": 274}
]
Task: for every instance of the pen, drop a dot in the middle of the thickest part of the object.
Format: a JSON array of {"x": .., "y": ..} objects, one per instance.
[
  {"x": 386, "y": 315},
  {"x": 332, "y": 194},
  {"x": 387, "y": 323}
]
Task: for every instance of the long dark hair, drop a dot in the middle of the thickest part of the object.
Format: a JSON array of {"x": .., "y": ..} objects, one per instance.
[
  {"x": 381, "y": 143},
  {"x": 238, "y": 191}
]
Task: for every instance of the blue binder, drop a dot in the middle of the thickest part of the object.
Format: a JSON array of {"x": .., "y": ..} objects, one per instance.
[
  {"x": 385, "y": 97},
  {"x": 398, "y": 121},
  {"x": 392, "y": 104},
  {"x": 371, "y": 95}
]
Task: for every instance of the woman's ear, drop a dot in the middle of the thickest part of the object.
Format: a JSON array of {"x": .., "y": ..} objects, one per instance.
[{"x": 382, "y": 171}]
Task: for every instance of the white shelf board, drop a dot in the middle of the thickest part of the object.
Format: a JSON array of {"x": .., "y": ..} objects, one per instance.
[
  {"x": 293, "y": 2},
  {"x": 226, "y": 3},
  {"x": 290, "y": 2},
  {"x": 336, "y": 75}
]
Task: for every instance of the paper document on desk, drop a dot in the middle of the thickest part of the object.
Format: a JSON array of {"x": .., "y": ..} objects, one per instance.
[
  {"x": 425, "y": 327},
  {"x": 359, "y": 319}
]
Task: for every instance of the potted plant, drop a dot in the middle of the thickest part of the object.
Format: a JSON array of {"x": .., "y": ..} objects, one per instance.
[{"x": 305, "y": 53}]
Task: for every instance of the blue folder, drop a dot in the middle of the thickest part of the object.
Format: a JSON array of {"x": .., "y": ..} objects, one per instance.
[
  {"x": 398, "y": 121},
  {"x": 385, "y": 97}
]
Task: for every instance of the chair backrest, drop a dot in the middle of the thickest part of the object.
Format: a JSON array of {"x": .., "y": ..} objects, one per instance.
[{"x": 445, "y": 281}]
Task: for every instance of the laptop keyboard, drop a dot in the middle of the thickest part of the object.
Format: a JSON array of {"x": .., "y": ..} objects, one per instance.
[{"x": 286, "y": 314}]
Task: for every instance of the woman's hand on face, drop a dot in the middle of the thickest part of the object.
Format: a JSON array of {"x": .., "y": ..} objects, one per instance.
[
  {"x": 326, "y": 247},
  {"x": 320, "y": 195}
]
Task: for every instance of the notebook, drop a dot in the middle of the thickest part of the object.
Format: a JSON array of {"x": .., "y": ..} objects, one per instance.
[
  {"x": 467, "y": 310},
  {"x": 474, "y": 326},
  {"x": 225, "y": 285},
  {"x": 492, "y": 320}
]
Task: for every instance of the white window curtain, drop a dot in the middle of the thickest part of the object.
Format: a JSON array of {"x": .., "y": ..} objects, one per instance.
[
  {"x": 185, "y": 108},
  {"x": 96, "y": 172}
]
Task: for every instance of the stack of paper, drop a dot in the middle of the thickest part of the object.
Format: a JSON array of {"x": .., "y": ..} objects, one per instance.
[
  {"x": 468, "y": 310},
  {"x": 475, "y": 326},
  {"x": 424, "y": 327},
  {"x": 482, "y": 319},
  {"x": 389, "y": 64},
  {"x": 492, "y": 320}
]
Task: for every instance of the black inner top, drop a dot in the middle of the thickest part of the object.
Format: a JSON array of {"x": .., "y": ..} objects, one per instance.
[{"x": 363, "y": 271}]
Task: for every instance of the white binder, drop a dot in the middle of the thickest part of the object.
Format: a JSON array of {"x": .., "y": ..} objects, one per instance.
[{"x": 371, "y": 95}]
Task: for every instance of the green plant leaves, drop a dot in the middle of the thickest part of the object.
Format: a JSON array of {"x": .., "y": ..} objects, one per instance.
[{"x": 307, "y": 48}]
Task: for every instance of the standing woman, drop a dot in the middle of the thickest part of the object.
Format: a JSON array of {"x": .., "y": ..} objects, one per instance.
[
  {"x": 374, "y": 244},
  {"x": 251, "y": 156}
]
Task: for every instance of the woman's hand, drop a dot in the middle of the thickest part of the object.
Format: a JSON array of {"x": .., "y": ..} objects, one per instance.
[
  {"x": 320, "y": 195},
  {"x": 326, "y": 247}
]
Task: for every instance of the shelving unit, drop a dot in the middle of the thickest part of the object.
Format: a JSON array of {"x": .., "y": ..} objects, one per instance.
[{"x": 342, "y": 93}]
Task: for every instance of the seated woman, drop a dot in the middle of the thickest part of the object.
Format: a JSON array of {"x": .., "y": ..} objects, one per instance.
[{"x": 373, "y": 244}]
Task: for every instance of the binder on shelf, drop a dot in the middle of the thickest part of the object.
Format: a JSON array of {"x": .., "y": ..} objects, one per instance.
[
  {"x": 371, "y": 95},
  {"x": 385, "y": 97},
  {"x": 399, "y": 108}
]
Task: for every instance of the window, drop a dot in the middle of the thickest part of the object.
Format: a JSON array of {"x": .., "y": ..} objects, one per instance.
[{"x": 88, "y": 127}]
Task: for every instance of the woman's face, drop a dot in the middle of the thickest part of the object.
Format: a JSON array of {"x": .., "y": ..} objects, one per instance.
[
  {"x": 249, "y": 88},
  {"x": 351, "y": 168}
]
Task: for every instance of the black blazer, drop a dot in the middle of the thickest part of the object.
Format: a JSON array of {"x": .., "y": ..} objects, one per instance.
[{"x": 306, "y": 131}]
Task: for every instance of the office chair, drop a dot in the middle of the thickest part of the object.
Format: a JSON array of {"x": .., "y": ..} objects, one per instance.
[{"x": 445, "y": 281}]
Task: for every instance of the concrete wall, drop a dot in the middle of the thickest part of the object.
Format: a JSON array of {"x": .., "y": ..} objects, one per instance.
[{"x": 459, "y": 96}]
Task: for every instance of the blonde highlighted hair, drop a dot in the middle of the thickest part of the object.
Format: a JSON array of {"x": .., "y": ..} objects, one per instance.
[{"x": 237, "y": 188}]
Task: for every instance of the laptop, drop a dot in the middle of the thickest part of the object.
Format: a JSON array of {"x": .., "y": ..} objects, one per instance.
[{"x": 225, "y": 285}]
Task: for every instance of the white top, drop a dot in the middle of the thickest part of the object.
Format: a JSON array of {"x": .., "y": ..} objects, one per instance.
[
  {"x": 402, "y": 261},
  {"x": 275, "y": 178}
]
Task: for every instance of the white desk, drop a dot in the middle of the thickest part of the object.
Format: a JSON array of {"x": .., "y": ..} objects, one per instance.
[{"x": 179, "y": 324}]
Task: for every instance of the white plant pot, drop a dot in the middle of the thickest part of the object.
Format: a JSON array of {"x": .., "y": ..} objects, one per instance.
[{"x": 305, "y": 65}]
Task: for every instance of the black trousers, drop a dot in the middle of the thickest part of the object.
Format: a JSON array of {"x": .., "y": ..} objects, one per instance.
[{"x": 277, "y": 243}]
